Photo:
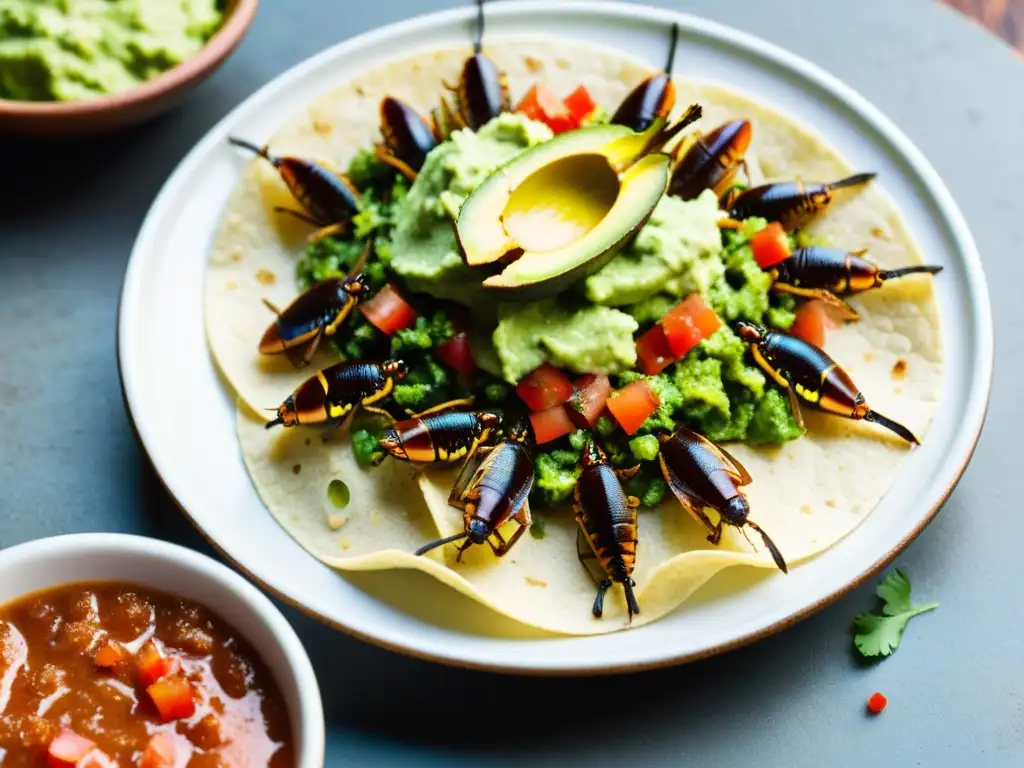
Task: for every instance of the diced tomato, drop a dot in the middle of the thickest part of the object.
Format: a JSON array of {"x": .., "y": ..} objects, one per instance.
[
  {"x": 173, "y": 697},
  {"x": 580, "y": 104},
  {"x": 876, "y": 703},
  {"x": 456, "y": 353},
  {"x": 153, "y": 666},
  {"x": 388, "y": 311},
  {"x": 589, "y": 395},
  {"x": 770, "y": 245},
  {"x": 541, "y": 103},
  {"x": 551, "y": 424},
  {"x": 688, "y": 323},
  {"x": 653, "y": 354},
  {"x": 160, "y": 752},
  {"x": 544, "y": 388},
  {"x": 110, "y": 655},
  {"x": 67, "y": 748},
  {"x": 811, "y": 319},
  {"x": 632, "y": 404}
]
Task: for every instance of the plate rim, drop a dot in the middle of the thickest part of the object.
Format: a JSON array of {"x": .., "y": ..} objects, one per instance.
[{"x": 978, "y": 396}]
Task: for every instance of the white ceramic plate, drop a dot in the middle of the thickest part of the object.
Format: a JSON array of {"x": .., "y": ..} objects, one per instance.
[{"x": 185, "y": 415}]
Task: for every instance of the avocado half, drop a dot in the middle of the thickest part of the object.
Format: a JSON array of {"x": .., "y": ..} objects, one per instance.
[{"x": 561, "y": 210}]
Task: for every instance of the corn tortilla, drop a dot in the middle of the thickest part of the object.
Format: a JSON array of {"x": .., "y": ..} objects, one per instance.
[{"x": 807, "y": 494}]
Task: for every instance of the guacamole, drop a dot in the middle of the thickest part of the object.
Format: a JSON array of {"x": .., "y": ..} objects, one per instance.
[
  {"x": 423, "y": 242},
  {"x": 590, "y": 328},
  {"x": 587, "y": 339},
  {"x": 677, "y": 252},
  {"x": 66, "y": 50}
]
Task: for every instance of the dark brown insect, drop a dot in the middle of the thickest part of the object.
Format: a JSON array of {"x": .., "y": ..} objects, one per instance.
[
  {"x": 330, "y": 395},
  {"x": 794, "y": 204},
  {"x": 319, "y": 312},
  {"x": 482, "y": 91},
  {"x": 809, "y": 375},
  {"x": 607, "y": 519},
  {"x": 712, "y": 162},
  {"x": 330, "y": 200},
  {"x": 440, "y": 435},
  {"x": 492, "y": 489},
  {"x": 820, "y": 272},
  {"x": 703, "y": 475},
  {"x": 651, "y": 99},
  {"x": 408, "y": 137}
]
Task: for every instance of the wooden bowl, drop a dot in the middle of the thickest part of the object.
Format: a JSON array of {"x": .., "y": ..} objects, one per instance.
[{"x": 135, "y": 105}]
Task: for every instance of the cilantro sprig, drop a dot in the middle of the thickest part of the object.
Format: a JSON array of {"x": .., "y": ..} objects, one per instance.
[{"x": 879, "y": 635}]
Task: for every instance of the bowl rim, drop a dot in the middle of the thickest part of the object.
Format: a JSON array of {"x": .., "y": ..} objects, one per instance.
[
  {"x": 227, "y": 37},
  {"x": 310, "y": 741},
  {"x": 983, "y": 351}
]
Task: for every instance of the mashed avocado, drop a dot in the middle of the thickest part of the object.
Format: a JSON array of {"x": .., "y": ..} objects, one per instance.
[
  {"x": 677, "y": 252},
  {"x": 742, "y": 293},
  {"x": 590, "y": 328},
  {"x": 589, "y": 339},
  {"x": 716, "y": 393},
  {"x": 423, "y": 242},
  {"x": 65, "y": 50}
]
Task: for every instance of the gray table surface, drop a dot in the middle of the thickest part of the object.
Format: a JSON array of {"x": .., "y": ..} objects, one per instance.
[{"x": 69, "y": 462}]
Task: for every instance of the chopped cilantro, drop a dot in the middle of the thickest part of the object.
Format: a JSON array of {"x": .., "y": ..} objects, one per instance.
[
  {"x": 644, "y": 447},
  {"x": 367, "y": 171},
  {"x": 427, "y": 332},
  {"x": 879, "y": 635},
  {"x": 555, "y": 479},
  {"x": 366, "y": 447},
  {"x": 578, "y": 439},
  {"x": 496, "y": 391}
]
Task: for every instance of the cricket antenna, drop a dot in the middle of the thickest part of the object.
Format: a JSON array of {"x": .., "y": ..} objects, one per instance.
[
  {"x": 631, "y": 605},
  {"x": 672, "y": 49},
  {"x": 261, "y": 151},
  {"x": 890, "y": 274},
  {"x": 440, "y": 543},
  {"x": 478, "y": 42},
  {"x": 893, "y": 426},
  {"x": 776, "y": 555}
]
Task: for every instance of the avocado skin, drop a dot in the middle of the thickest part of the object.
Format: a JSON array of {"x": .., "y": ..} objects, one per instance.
[{"x": 560, "y": 282}]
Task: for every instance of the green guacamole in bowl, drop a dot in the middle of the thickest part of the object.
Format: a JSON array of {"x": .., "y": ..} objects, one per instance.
[{"x": 70, "y": 50}]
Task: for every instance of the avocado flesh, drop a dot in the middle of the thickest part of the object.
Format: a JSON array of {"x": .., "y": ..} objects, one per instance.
[
  {"x": 561, "y": 210},
  {"x": 480, "y": 225},
  {"x": 544, "y": 272}
]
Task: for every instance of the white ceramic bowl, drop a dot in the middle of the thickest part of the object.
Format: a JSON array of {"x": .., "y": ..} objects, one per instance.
[{"x": 52, "y": 562}]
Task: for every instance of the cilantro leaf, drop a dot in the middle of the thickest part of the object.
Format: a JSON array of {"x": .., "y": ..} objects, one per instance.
[{"x": 879, "y": 635}]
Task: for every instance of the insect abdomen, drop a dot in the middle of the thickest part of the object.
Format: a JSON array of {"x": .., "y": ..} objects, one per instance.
[
  {"x": 802, "y": 365},
  {"x": 610, "y": 523},
  {"x": 353, "y": 383},
  {"x": 327, "y": 198},
  {"x": 452, "y": 434},
  {"x": 483, "y": 92},
  {"x": 505, "y": 485}
]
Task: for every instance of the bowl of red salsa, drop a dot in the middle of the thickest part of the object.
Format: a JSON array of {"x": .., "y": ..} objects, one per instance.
[{"x": 125, "y": 651}]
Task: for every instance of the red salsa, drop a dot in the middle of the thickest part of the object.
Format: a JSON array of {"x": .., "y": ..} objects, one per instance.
[{"x": 110, "y": 675}]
